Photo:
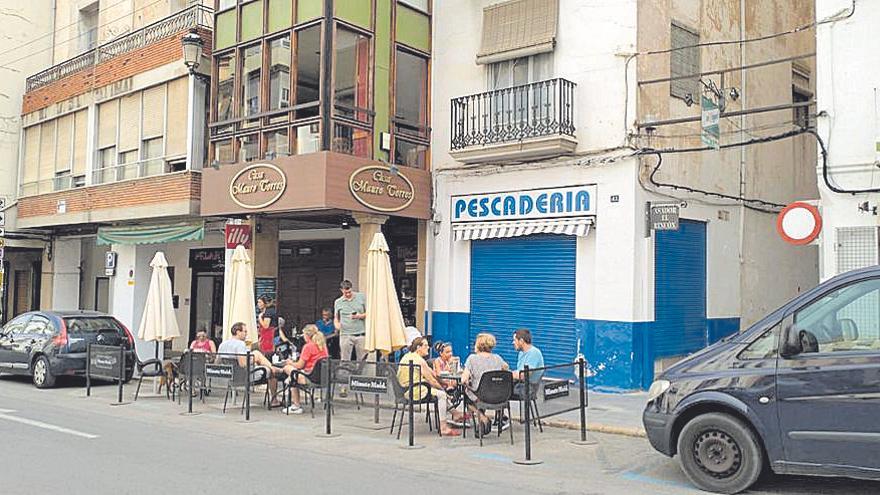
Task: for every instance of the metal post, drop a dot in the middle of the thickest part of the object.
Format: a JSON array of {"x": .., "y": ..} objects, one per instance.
[
  {"x": 527, "y": 398},
  {"x": 376, "y": 396},
  {"x": 247, "y": 390},
  {"x": 189, "y": 382},
  {"x": 121, "y": 371},
  {"x": 88, "y": 370},
  {"x": 328, "y": 413},
  {"x": 412, "y": 404},
  {"x": 582, "y": 385}
]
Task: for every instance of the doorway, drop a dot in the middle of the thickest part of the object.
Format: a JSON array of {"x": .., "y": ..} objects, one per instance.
[
  {"x": 207, "y": 306},
  {"x": 309, "y": 273},
  {"x": 102, "y": 294}
]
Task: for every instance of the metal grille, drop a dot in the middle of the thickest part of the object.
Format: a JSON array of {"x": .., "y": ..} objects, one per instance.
[
  {"x": 856, "y": 248},
  {"x": 684, "y": 61}
]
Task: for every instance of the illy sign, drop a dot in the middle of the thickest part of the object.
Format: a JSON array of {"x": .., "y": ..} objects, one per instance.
[{"x": 238, "y": 235}]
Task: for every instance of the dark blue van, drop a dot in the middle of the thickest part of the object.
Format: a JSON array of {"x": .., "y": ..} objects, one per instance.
[{"x": 799, "y": 391}]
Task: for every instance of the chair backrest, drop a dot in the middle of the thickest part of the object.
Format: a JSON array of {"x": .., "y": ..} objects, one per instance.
[
  {"x": 495, "y": 387},
  {"x": 316, "y": 375},
  {"x": 239, "y": 372},
  {"x": 388, "y": 370},
  {"x": 198, "y": 363}
]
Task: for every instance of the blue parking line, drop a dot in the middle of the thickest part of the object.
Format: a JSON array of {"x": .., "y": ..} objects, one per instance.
[
  {"x": 631, "y": 476},
  {"x": 492, "y": 457}
]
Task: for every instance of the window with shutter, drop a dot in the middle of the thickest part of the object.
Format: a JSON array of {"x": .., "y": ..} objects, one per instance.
[
  {"x": 175, "y": 142},
  {"x": 107, "y": 123},
  {"x": 31, "y": 154},
  {"x": 80, "y": 136},
  {"x": 129, "y": 122},
  {"x": 518, "y": 28},
  {"x": 47, "y": 150},
  {"x": 153, "y": 122},
  {"x": 65, "y": 144},
  {"x": 684, "y": 60}
]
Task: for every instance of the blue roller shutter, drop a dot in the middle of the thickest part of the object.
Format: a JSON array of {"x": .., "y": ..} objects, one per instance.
[
  {"x": 525, "y": 282},
  {"x": 680, "y": 290}
]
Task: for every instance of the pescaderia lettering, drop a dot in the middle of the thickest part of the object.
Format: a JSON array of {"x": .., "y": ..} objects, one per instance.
[{"x": 521, "y": 204}]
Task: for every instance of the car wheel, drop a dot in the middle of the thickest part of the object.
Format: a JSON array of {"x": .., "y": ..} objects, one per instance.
[
  {"x": 719, "y": 453},
  {"x": 43, "y": 377}
]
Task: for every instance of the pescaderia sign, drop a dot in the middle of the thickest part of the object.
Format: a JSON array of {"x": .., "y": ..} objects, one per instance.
[
  {"x": 257, "y": 186},
  {"x": 559, "y": 202},
  {"x": 378, "y": 188}
]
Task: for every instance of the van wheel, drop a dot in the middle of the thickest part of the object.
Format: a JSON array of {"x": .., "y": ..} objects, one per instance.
[
  {"x": 719, "y": 453},
  {"x": 43, "y": 377}
]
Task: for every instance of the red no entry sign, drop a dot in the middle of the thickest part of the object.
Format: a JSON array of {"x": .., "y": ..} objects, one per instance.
[{"x": 799, "y": 223}]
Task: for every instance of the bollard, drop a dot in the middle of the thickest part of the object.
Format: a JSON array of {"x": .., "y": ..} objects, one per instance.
[
  {"x": 412, "y": 404},
  {"x": 88, "y": 370},
  {"x": 121, "y": 371},
  {"x": 189, "y": 382},
  {"x": 582, "y": 386},
  {"x": 326, "y": 374},
  {"x": 527, "y": 398}
]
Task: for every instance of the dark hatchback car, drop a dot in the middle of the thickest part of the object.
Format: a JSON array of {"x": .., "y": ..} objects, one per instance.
[
  {"x": 799, "y": 391},
  {"x": 48, "y": 344}
]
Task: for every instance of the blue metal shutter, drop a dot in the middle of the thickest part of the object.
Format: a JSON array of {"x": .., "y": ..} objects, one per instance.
[
  {"x": 680, "y": 290},
  {"x": 525, "y": 282}
]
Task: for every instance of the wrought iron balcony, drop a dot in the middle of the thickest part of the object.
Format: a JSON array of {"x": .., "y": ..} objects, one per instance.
[
  {"x": 539, "y": 109},
  {"x": 190, "y": 17}
]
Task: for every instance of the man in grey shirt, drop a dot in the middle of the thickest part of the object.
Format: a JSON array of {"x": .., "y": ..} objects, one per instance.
[{"x": 349, "y": 315}]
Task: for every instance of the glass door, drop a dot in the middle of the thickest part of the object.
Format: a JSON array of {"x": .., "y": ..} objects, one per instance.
[{"x": 207, "y": 305}]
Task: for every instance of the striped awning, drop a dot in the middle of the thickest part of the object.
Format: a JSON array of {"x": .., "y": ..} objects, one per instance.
[
  {"x": 152, "y": 234},
  {"x": 515, "y": 228}
]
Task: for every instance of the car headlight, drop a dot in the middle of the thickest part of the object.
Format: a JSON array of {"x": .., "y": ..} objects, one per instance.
[{"x": 658, "y": 388}]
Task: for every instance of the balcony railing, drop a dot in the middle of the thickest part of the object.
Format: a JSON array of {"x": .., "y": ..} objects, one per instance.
[
  {"x": 191, "y": 17},
  {"x": 539, "y": 109},
  {"x": 135, "y": 170}
]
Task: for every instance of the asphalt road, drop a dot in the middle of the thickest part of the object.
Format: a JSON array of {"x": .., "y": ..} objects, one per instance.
[{"x": 58, "y": 441}]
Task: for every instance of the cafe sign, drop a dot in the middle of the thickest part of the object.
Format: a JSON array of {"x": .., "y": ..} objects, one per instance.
[
  {"x": 377, "y": 188},
  {"x": 257, "y": 186}
]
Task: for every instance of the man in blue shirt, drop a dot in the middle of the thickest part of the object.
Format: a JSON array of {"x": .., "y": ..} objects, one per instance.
[
  {"x": 530, "y": 356},
  {"x": 325, "y": 325}
]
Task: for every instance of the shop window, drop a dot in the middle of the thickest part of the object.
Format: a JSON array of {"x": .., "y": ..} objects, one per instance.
[
  {"x": 352, "y": 140},
  {"x": 248, "y": 148},
  {"x": 277, "y": 143},
  {"x": 222, "y": 152},
  {"x": 308, "y": 71},
  {"x": 410, "y": 154},
  {"x": 352, "y": 69},
  {"x": 225, "y": 85},
  {"x": 154, "y": 163},
  {"x": 411, "y": 93},
  {"x": 308, "y": 139},
  {"x": 279, "y": 73},
  {"x": 251, "y": 72}
]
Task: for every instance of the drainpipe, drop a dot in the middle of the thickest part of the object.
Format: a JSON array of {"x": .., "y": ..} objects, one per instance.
[{"x": 742, "y": 149}]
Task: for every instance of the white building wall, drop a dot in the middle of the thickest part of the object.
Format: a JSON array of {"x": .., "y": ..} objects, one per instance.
[
  {"x": 848, "y": 104},
  {"x": 66, "y": 260}
]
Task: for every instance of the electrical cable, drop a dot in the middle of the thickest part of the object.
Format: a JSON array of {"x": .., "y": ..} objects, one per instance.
[{"x": 826, "y": 174}]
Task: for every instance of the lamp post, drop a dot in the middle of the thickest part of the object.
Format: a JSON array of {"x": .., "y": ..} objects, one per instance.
[
  {"x": 192, "y": 45},
  {"x": 192, "y": 50}
]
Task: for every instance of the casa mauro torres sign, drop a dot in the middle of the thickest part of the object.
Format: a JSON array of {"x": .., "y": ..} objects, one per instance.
[
  {"x": 377, "y": 188},
  {"x": 257, "y": 186}
]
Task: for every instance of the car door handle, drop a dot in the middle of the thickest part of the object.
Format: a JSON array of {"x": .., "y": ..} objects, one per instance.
[{"x": 765, "y": 400}]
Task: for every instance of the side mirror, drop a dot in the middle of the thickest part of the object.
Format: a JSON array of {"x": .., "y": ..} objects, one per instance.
[{"x": 790, "y": 345}]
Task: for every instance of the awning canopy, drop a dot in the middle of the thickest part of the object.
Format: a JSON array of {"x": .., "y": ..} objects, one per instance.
[
  {"x": 153, "y": 234},
  {"x": 518, "y": 28},
  {"x": 492, "y": 230}
]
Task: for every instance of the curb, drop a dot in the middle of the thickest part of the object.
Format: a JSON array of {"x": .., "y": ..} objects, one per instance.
[{"x": 598, "y": 428}]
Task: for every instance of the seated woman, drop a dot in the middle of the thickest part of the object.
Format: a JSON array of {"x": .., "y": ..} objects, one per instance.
[
  {"x": 480, "y": 362},
  {"x": 314, "y": 350},
  {"x": 443, "y": 363},
  {"x": 202, "y": 343},
  {"x": 423, "y": 373}
]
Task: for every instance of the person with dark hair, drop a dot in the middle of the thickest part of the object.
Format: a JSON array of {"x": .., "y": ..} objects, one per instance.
[
  {"x": 443, "y": 363},
  {"x": 331, "y": 334},
  {"x": 262, "y": 366},
  {"x": 530, "y": 356},
  {"x": 422, "y": 373},
  {"x": 268, "y": 324},
  {"x": 350, "y": 313}
]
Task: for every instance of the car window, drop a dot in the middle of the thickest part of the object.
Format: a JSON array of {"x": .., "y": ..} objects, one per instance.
[
  {"x": 16, "y": 326},
  {"x": 764, "y": 347},
  {"x": 82, "y": 326},
  {"x": 38, "y": 326},
  {"x": 847, "y": 319}
]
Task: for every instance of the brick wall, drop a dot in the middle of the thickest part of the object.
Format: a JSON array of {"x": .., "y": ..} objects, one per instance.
[
  {"x": 157, "y": 54},
  {"x": 139, "y": 192}
]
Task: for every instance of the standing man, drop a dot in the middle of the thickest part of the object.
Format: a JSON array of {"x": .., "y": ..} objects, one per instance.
[
  {"x": 349, "y": 313},
  {"x": 328, "y": 327}
]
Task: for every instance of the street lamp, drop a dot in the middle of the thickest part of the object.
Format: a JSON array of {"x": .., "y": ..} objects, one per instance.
[{"x": 192, "y": 50}]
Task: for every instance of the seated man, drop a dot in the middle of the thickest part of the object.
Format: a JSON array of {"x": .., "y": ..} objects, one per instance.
[
  {"x": 262, "y": 365},
  {"x": 530, "y": 356}
]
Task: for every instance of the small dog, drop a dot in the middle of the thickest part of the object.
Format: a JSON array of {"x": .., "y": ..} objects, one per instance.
[{"x": 168, "y": 378}]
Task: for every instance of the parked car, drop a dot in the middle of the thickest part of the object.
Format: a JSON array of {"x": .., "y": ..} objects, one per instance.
[
  {"x": 48, "y": 344},
  {"x": 799, "y": 391}
]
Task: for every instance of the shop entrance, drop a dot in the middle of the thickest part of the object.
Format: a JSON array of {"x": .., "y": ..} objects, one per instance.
[
  {"x": 309, "y": 273},
  {"x": 206, "y": 295},
  {"x": 402, "y": 237}
]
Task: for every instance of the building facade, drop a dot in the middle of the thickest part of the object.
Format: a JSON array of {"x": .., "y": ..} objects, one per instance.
[
  {"x": 848, "y": 128},
  {"x": 546, "y": 155},
  {"x": 113, "y": 145},
  {"x": 319, "y": 134},
  {"x": 29, "y": 50}
]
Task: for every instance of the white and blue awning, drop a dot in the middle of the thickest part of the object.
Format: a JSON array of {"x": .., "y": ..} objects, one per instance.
[{"x": 469, "y": 231}]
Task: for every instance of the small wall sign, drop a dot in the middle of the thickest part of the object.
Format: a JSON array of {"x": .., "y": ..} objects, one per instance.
[
  {"x": 377, "y": 188},
  {"x": 257, "y": 186},
  {"x": 238, "y": 234},
  {"x": 663, "y": 216}
]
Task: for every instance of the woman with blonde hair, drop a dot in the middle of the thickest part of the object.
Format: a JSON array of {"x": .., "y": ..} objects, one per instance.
[
  {"x": 480, "y": 362},
  {"x": 314, "y": 351}
]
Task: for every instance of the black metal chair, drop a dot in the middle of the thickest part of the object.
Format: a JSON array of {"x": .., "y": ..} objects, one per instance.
[
  {"x": 401, "y": 400},
  {"x": 344, "y": 370},
  {"x": 199, "y": 360},
  {"x": 493, "y": 394},
  {"x": 151, "y": 368},
  {"x": 239, "y": 380},
  {"x": 534, "y": 388},
  {"x": 314, "y": 381}
]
